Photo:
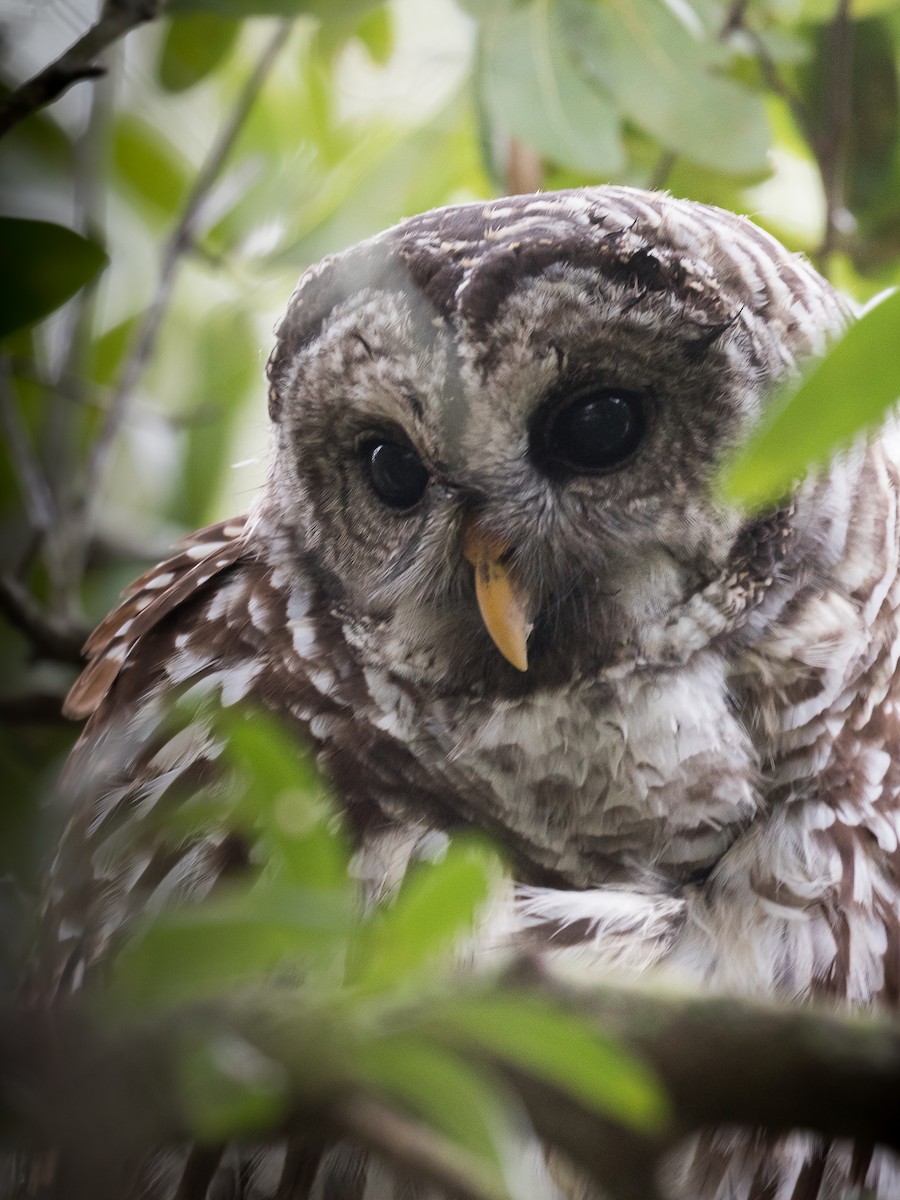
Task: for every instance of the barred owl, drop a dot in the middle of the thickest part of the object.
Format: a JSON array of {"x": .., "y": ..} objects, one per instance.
[{"x": 489, "y": 580}]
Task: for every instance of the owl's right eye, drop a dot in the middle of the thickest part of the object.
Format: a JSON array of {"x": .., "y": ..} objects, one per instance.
[{"x": 397, "y": 474}]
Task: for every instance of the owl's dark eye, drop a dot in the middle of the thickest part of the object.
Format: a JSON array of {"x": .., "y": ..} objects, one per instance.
[
  {"x": 397, "y": 474},
  {"x": 597, "y": 430}
]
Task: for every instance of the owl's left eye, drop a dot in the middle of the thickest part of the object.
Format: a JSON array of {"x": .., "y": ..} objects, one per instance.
[{"x": 397, "y": 474}]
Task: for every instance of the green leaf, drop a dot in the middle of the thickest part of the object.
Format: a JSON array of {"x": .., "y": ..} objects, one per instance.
[
  {"x": 232, "y": 939},
  {"x": 42, "y": 265},
  {"x": 534, "y": 91},
  {"x": 825, "y": 10},
  {"x": 558, "y": 1046},
  {"x": 108, "y": 351},
  {"x": 437, "y": 904},
  {"x": 194, "y": 45},
  {"x": 228, "y": 1087},
  {"x": 662, "y": 77},
  {"x": 849, "y": 390},
  {"x": 376, "y": 32},
  {"x": 284, "y": 793},
  {"x": 149, "y": 165},
  {"x": 468, "y": 1105}
]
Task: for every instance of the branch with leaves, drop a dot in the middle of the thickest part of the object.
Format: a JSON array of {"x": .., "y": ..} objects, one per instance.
[
  {"x": 199, "y": 1031},
  {"x": 100, "y": 1096}
]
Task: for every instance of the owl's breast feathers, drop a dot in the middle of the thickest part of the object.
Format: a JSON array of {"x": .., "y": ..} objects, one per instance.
[{"x": 751, "y": 783}]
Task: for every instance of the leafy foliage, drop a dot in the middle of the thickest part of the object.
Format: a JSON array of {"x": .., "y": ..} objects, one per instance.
[
  {"x": 149, "y": 240},
  {"x": 847, "y": 391},
  {"x": 370, "y": 999}
]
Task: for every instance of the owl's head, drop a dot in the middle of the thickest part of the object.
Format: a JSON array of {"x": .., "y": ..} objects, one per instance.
[{"x": 497, "y": 426}]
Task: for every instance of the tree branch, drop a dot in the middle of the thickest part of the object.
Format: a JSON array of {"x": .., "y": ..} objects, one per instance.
[
  {"x": 414, "y": 1147},
  {"x": 78, "y": 62},
  {"x": 104, "y": 1095},
  {"x": 50, "y": 636},
  {"x": 831, "y": 150},
  {"x": 178, "y": 242},
  {"x": 36, "y": 494}
]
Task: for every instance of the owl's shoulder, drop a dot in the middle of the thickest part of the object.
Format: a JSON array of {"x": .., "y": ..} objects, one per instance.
[{"x": 153, "y": 598}]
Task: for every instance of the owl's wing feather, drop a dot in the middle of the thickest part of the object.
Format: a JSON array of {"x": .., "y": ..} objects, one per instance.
[{"x": 147, "y": 601}]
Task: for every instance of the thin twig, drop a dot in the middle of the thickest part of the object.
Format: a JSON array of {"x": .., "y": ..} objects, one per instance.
[
  {"x": 36, "y": 494},
  {"x": 60, "y": 437},
  {"x": 833, "y": 147},
  {"x": 776, "y": 84},
  {"x": 178, "y": 242},
  {"x": 415, "y": 1147},
  {"x": 662, "y": 170},
  {"x": 50, "y": 636},
  {"x": 78, "y": 62},
  {"x": 734, "y": 19}
]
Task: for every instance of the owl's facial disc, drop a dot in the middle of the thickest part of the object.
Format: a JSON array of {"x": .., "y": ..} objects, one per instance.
[{"x": 596, "y": 430}]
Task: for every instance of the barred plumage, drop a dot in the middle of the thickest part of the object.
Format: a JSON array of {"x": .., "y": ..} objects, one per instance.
[{"x": 699, "y": 767}]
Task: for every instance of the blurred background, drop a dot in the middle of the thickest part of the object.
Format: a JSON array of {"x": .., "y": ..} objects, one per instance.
[{"x": 154, "y": 220}]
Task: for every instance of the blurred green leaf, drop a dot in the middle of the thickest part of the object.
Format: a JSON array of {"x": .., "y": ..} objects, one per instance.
[
  {"x": 229, "y": 1088},
  {"x": 376, "y": 32},
  {"x": 825, "y": 10},
  {"x": 534, "y": 91},
  {"x": 468, "y": 1105},
  {"x": 148, "y": 164},
  {"x": 108, "y": 351},
  {"x": 193, "y": 46},
  {"x": 554, "y": 1044},
  {"x": 847, "y": 391},
  {"x": 438, "y": 903},
  {"x": 42, "y": 265},
  {"x": 235, "y": 938},
  {"x": 663, "y": 77},
  {"x": 269, "y": 755},
  {"x": 283, "y": 788}
]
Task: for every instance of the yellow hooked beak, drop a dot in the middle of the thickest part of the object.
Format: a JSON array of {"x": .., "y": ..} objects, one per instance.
[{"x": 502, "y": 606}]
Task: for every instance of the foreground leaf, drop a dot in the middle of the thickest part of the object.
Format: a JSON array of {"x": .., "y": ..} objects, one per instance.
[
  {"x": 560, "y": 1047},
  {"x": 228, "y": 1087},
  {"x": 849, "y": 390},
  {"x": 437, "y": 905},
  {"x": 228, "y": 941},
  {"x": 468, "y": 1105}
]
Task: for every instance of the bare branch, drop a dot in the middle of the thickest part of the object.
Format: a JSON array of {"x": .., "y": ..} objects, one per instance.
[
  {"x": 178, "y": 242},
  {"x": 78, "y": 62},
  {"x": 36, "y": 492},
  {"x": 776, "y": 84},
  {"x": 524, "y": 169},
  {"x": 49, "y": 636},
  {"x": 414, "y": 1147},
  {"x": 831, "y": 151}
]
